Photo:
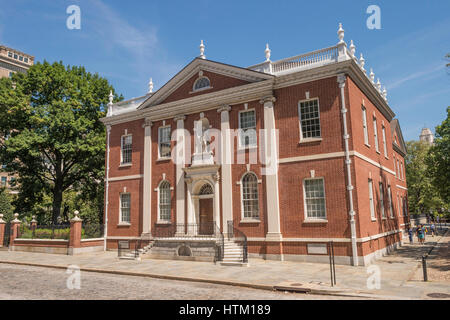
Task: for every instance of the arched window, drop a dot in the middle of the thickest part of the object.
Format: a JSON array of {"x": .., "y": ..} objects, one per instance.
[
  {"x": 201, "y": 83},
  {"x": 206, "y": 189},
  {"x": 250, "y": 203},
  {"x": 164, "y": 201}
]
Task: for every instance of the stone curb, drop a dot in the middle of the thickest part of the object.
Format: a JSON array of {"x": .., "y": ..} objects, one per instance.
[{"x": 214, "y": 281}]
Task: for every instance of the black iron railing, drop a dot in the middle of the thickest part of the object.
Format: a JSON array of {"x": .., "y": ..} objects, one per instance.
[
  {"x": 129, "y": 248},
  {"x": 92, "y": 230},
  {"x": 53, "y": 231},
  {"x": 238, "y": 236}
]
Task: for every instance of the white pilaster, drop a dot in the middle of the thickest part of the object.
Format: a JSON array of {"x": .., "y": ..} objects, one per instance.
[
  {"x": 271, "y": 160},
  {"x": 179, "y": 173},
  {"x": 226, "y": 160},
  {"x": 216, "y": 200},
  {"x": 147, "y": 215}
]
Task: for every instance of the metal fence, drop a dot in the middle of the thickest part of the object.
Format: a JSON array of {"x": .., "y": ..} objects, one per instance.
[
  {"x": 92, "y": 230},
  {"x": 238, "y": 236},
  {"x": 53, "y": 231}
]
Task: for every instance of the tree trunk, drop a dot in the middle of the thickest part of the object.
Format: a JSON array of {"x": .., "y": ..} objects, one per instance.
[{"x": 57, "y": 201}]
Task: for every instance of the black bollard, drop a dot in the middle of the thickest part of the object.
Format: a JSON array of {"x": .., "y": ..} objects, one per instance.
[{"x": 424, "y": 267}]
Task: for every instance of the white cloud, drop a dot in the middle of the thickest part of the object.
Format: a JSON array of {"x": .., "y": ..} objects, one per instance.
[{"x": 429, "y": 70}]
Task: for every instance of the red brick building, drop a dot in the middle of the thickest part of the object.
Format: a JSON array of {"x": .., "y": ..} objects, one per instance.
[{"x": 287, "y": 155}]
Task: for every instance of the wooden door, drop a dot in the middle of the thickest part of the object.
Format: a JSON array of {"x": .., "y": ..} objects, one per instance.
[{"x": 206, "y": 217}]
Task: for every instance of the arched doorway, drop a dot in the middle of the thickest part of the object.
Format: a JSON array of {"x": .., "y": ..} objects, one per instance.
[{"x": 206, "y": 209}]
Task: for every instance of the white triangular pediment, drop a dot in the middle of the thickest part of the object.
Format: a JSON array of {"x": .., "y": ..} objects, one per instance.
[{"x": 193, "y": 68}]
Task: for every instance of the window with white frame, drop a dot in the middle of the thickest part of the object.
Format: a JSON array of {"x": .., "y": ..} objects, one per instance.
[
  {"x": 309, "y": 119},
  {"x": 126, "y": 147},
  {"x": 250, "y": 199},
  {"x": 399, "y": 174},
  {"x": 401, "y": 171},
  {"x": 382, "y": 200},
  {"x": 364, "y": 119},
  {"x": 375, "y": 134},
  {"x": 125, "y": 205},
  {"x": 201, "y": 84},
  {"x": 371, "y": 200},
  {"x": 314, "y": 193},
  {"x": 400, "y": 211},
  {"x": 247, "y": 128},
  {"x": 391, "y": 209},
  {"x": 164, "y": 142},
  {"x": 405, "y": 207},
  {"x": 383, "y": 130},
  {"x": 164, "y": 201}
]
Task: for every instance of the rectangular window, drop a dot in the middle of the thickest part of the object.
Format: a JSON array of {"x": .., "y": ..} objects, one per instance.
[
  {"x": 384, "y": 141},
  {"x": 20, "y": 58},
  {"x": 15, "y": 56},
  {"x": 405, "y": 207},
  {"x": 25, "y": 59},
  {"x": 10, "y": 54},
  {"x": 399, "y": 208},
  {"x": 371, "y": 201},
  {"x": 375, "y": 134},
  {"x": 4, "y": 181},
  {"x": 125, "y": 205},
  {"x": 309, "y": 119},
  {"x": 164, "y": 142},
  {"x": 382, "y": 200},
  {"x": 391, "y": 210},
  {"x": 402, "y": 173},
  {"x": 364, "y": 119},
  {"x": 126, "y": 149},
  {"x": 314, "y": 193},
  {"x": 247, "y": 126}
]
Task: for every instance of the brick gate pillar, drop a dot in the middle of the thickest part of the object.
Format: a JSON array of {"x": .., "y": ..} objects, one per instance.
[
  {"x": 75, "y": 234},
  {"x": 2, "y": 230},
  {"x": 15, "y": 225}
]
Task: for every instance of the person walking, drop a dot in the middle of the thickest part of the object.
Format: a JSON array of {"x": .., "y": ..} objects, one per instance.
[
  {"x": 410, "y": 234},
  {"x": 421, "y": 234},
  {"x": 433, "y": 229}
]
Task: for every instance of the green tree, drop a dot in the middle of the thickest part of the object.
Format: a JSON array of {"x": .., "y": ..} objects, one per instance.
[
  {"x": 438, "y": 160},
  {"x": 55, "y": 140},
  {"x": 6, "y": 208},
  {"x": 422, "y": 194}
]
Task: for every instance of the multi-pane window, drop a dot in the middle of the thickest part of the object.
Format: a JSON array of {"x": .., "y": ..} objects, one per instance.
[
  {"x": 164, "y": 201},
  {"x": 25, "y": 59},
  {"x": 247, "y": 126},
  {"x": 126, "y": 149},
  {"x": 250, "y": 203},
  {"x": 3, "y": 181},
  {"x": 315, "y": 198},
  {"x": 391, "y": 210},
  {"x": 164, "y": 142},
  {"x": 384, "y": 141},
  {"x": 364, "y": 119},
  {"x": 202, "y": 83},
  {"x": 399, "y": 174},
  {"x": 371, "y": 201},
  {"x": 382, "y": 200},
  {"x": 10, "y": 54},
  {"x": 375, "y": 134},
  {"x": 309, "y": 119},
  {"x": 405, "y": 207},
  {"x": 125, "y": 205},
  {"x": 401, "y": 171},
  {"x": 400, "y": 211}
]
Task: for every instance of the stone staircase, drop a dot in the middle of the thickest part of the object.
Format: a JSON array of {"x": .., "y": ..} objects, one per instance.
[
  {"x": 131, "y": 255},
  {"x": 233, "y": 254}
]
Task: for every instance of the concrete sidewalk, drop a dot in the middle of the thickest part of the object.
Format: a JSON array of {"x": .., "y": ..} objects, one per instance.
[{"x": 398, "y": 272}]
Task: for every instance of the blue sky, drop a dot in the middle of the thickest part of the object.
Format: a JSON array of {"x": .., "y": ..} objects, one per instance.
[{"x": 130, "y": 41}]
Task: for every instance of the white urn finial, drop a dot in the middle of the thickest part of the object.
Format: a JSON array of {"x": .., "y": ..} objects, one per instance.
[
  {"x": 1, "y": 218},
  {"x": 379, "y": 85},
  {"x": 372, "y": 76},
  {"x": 384, "y": 93},
  {"x": 341, "y": 33},
  {"x": 362, "y": 62},
  {"x": 150, "y": 86},
  {"x": 111, "y": 97},
  {"x": 76, "y": 217},
  {"x": 352, "y": 49},
  {"x": 16, "y": 217},
  {"x": 110, "y": 103},
  {"x": 202, "y": 50},
  {"x": 267, "y": 52}
]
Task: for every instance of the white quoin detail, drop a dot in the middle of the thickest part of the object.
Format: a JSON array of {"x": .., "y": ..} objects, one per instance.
[
  {"x": 150, "y": 86},
  {"x": 341, "y": 33},
  {"x": 202, "y": 50},
  {"x": 267, "y": 52}
]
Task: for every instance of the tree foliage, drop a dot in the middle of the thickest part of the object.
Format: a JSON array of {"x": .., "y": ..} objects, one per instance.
[
  {"x": 55, "y": 141},
  {"x": 438, "y": 160},
  {"x": 6, "y": 207}
]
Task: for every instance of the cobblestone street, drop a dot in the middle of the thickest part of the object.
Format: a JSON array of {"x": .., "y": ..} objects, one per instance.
[{"x": 23, "y": 282}]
